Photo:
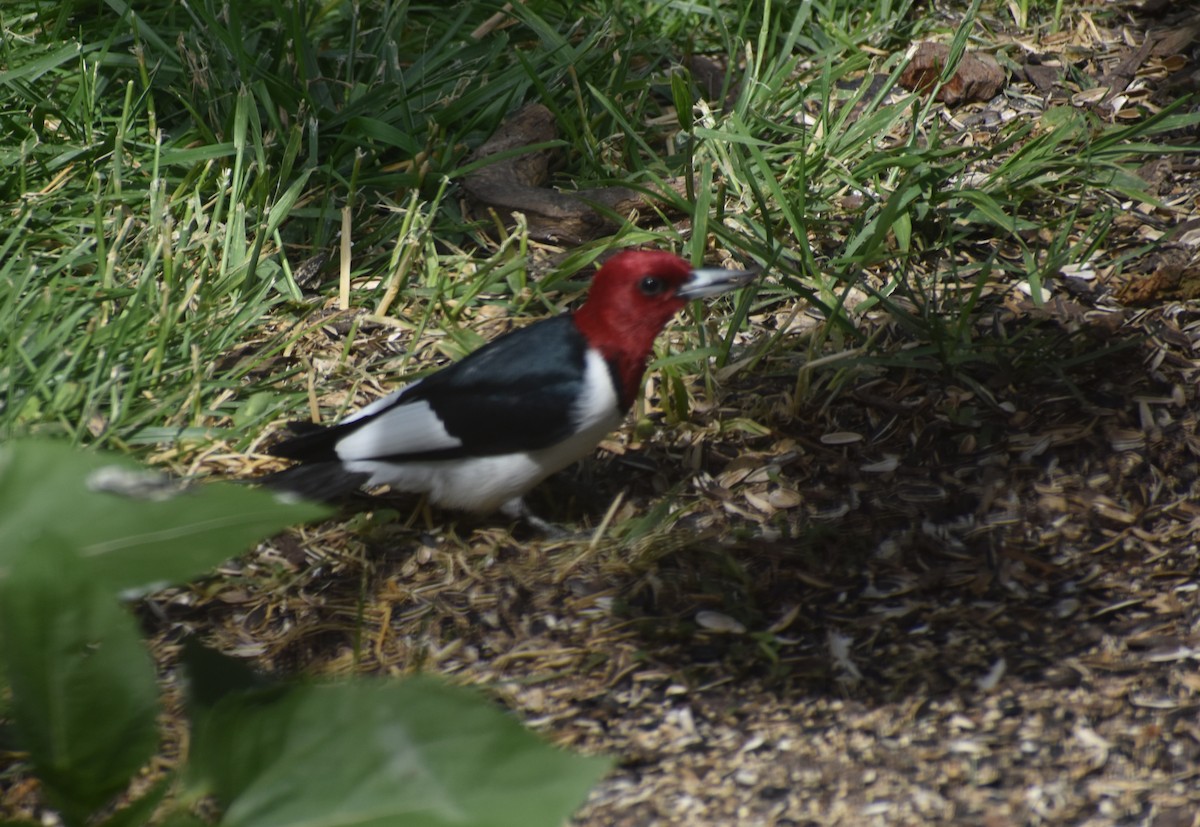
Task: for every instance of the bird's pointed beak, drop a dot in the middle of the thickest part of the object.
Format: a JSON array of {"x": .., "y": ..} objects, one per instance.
[{"x": 711, "y": 281}]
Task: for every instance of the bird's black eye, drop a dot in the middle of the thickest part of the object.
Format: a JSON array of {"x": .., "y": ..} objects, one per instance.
[{"x": 652, "y": 286}]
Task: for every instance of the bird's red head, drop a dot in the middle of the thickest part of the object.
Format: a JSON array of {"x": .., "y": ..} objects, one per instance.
[{"x": 632, "y": 298}]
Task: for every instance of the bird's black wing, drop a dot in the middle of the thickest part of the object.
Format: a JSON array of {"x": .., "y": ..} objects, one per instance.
[{"x": 517, "y": 393}]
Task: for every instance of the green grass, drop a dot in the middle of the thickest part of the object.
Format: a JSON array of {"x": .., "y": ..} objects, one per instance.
[{"x": 166, "y": 178}]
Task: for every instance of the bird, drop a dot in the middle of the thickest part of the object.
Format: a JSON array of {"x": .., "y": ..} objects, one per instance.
[{"x": 479, "y": 434}]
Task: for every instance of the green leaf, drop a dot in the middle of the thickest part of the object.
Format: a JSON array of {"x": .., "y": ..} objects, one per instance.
[
  {"x": 988, "y": 208},
  {"x": 386, "y": 134},
  {"x": 140, "y": 810},
  {"x": 213, "y": 675},
  {"x": 33, "y": 69},
  {"x": 416, "y": 753},
  {"x": 902, "y": 227},
  {"x": 184, "y": 820},
  {"x": 130, "y": 529},
  {"x": 84, "y": 697},
  {"x": 286, "y": 203}
]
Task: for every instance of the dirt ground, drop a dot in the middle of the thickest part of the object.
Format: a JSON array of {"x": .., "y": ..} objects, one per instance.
[{"x": 908, "y": 603}]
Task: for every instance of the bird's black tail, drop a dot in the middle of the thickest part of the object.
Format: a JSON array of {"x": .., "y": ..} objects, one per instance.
[
  {"x": 308, "y": 442},
  {"x": 320, "y": 475},
  {"x": 320, "y": 481}
]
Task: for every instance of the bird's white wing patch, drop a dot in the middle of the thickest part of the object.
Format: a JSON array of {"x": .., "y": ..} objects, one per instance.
[{"x": 408, "y": 428}]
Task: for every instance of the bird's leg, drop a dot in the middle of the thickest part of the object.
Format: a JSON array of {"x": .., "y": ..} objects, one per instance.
[{"x": 517, "y": 509}]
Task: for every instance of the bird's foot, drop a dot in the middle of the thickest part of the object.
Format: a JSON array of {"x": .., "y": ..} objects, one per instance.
[{"x": 518, "y": 510}]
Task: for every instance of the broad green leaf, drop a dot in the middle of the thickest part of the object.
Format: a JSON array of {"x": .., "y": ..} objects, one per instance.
[
  {"x": 84, "y": 697},
  {"x": 213, "y": 675},
  {"x": 130, "y": 531},
  {"x": 139, "y": 811},
  {"x": 417, "y": 753}
]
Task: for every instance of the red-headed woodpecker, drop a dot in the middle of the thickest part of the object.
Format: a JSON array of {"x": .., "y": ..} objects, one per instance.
[{"x": 483, "y": 431}]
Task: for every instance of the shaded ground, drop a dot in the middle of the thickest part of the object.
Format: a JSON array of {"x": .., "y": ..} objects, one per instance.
[{"x": 1004, "y": 624}]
